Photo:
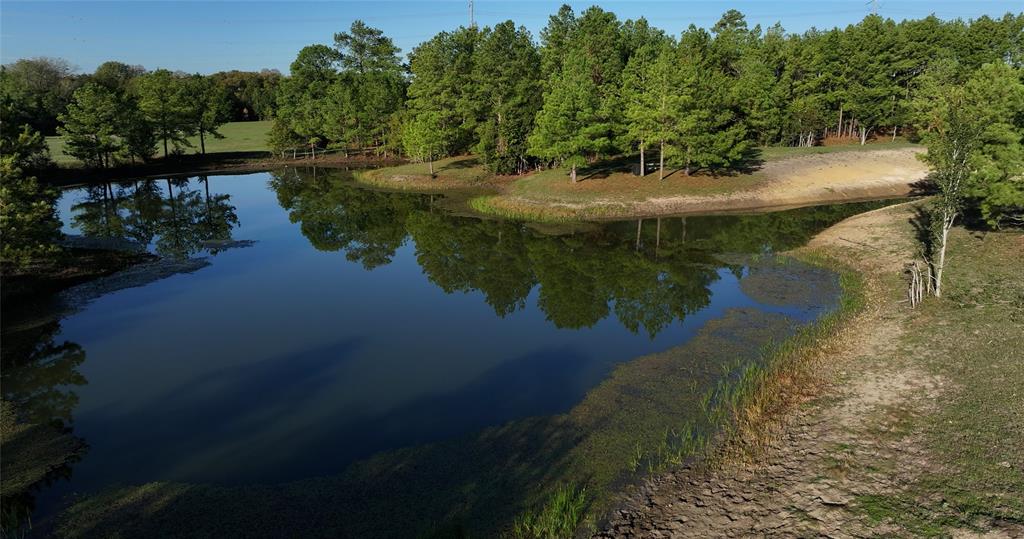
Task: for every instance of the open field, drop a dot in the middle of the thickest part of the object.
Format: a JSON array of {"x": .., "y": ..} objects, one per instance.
[
  {"x": 785, "y": 177},
  {"x": 914, "y": 428},
  {"x": 238, "y": 137}
]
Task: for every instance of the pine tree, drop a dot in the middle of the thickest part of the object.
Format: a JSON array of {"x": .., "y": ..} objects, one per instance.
[
  {"x": 570, "y": 125},
  {"x": 90, "y": 125},
  {"x": 162, "y": 102},
  {"x": 652, "y": 101},
  {"x": 508, "y": 91},
  {"x": 28, "y": 210}
]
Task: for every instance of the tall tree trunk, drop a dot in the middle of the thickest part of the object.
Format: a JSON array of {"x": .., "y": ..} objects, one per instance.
[
  {"x": 661, "y": 162},
  {"x": 839, "y": 127},
  {"x": 643, "y": 164},
  {"x": 947, "y": 223},
  {"x": 639, "y": 223},
  {"x": 202, "y": 142},
  {"x": 572, "y": 174},
  {"x": 165, "y": 147},
  {"x": 894, "y": 133},
  {"x": 657, "y": 238},
  {"x": 430, "y": 165},
  {"x": 863, "y": 135}
]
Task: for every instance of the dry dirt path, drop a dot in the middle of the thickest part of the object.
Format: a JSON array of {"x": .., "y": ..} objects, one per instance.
[
  {"x": 811, "y": 179},
  {"x": 848, "y": 445}
]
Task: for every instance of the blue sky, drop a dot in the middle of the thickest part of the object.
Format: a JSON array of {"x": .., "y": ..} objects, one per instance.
[{"x": 212, "y": 36}]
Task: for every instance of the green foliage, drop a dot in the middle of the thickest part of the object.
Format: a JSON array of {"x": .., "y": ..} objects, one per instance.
[
  {"x": 507, "y": 89},
  {"x": 974, "y": 136},
  {"x": 90, "y": 126},
  {"x": 710, "y": 132},
  {"x": 442, "y": 87},
  {"x": 426, "y": 136},
  {"x": 28, "y": 213},
  {"x": 570, "y": 125},
  {"x": 103, "y": 125},
  {"x": 205, "y": 107},
  {"x": 364, "y": 48},
  {"x": 559, "y": 518},
  {"x": 251, "y": 95},
  {"x": 164, "y": 104},
  {"x": 40, "y": 89}
]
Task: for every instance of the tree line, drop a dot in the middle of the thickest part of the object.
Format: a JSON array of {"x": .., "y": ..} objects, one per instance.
[
  {"x": 121, "y": 113},
  {"x": 595, "y": 86}
]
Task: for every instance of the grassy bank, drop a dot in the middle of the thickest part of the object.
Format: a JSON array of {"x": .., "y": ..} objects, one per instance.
[
  {"x": 609, "y": 189},
  {"x": 896, "y": 422},
  {"x": 238, "y": 137},
  {"x": 973, "y": 473}
]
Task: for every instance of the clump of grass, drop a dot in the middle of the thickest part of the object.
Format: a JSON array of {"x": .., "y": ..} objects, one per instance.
[
  {"x": 512, "y": 208},
  {"x": 787, "y": 372},
  {"x": 560, "y": 517}
]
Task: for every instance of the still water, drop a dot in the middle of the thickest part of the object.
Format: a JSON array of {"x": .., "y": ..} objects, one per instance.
[{"x": 344, "y": 361}]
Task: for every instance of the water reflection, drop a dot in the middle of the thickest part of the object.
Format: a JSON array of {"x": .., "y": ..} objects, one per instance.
[
  {"x": 649, "y": 274},
  {"x": 38, "y": 381},
  {"x": 382, "y": 398},
  {"x": 177, "y": 217}
]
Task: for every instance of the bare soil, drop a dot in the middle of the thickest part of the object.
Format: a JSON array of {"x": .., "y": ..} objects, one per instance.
[{"x": 835, "y": 465}]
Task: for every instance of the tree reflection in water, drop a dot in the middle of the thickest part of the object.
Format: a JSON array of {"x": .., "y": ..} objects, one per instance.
[
  {"x": 38, "y": 401},
  {"x": 177, "y": 217},
  {"x": 650, "y": 273}
]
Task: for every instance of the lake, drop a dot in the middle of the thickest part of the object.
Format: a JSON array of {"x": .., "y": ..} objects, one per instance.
[{"x": 310, "y": 357}]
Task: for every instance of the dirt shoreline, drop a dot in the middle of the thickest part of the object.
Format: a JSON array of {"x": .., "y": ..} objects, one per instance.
[
  {"x": 841, "y": 462},
  {"x": 788, "y": 183},
  {"x": 779, "y": 184}
]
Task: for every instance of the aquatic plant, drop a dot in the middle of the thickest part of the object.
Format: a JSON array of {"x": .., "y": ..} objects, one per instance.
[{"x": 559, "y": 518}]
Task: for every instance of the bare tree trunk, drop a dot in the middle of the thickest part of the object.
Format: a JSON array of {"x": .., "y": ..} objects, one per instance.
[
  {"x": 894, "y": 133},
  {"x": 202, "y": 142},
  {"x": 660, "y": 163},
  {"x": 839, "y": 127},
  {"x": 639, "y": 223},
  {"x": 165, "y": 147},
  {"x": 430, "y": 161},
  {"x": 947, "y": 223},
  {"x": 657, "y": 238},
  {"x": 572, "y": 174},
  {"x": 643, "y": 164},
  {"x": 863, "y": 135}
]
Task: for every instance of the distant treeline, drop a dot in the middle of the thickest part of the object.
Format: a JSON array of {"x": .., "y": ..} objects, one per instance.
[
  {"x": 593, "y": 86},
  {"x": 596, "y": 86},
  {"x": 122, "y": 112}
]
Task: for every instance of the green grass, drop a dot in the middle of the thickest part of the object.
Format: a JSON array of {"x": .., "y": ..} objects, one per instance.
[
  {"x": 560, "y": 517},
  {"x": 238, "y": 137},
  {"x": 605, "y": 190},
  {"x": 971, "y": 339}
]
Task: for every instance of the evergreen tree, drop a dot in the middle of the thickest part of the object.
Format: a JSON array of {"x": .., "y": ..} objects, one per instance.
[
  {"x": 442, "y": 87},
  {"x": 163, "y": 104},
  {"x": 508, "y": 87},
  {"x": 364, "y": 48},
  {"x": 652, "y": 101},
  {"x": 90, "y": 125},
  {"x": 570, "y": 125},
  {"x": 710, "y": 133},
  {"x": 28, "y": 210}
]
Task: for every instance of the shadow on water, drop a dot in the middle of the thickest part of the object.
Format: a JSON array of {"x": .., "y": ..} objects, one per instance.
[
  {"x": 36, "y": 419},
  {"x": 528, "y": 425}
]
